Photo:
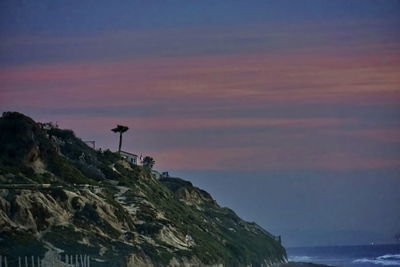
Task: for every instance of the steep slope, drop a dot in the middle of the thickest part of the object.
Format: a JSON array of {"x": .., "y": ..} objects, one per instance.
[{"x": 98, "y": 204}]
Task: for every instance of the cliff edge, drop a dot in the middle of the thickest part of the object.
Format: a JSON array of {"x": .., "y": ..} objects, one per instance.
[{"x": 58, "y": 195}]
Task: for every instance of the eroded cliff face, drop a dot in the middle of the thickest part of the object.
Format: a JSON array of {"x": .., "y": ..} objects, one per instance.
[
  {"x": 118, "y": 213},
  {"x": 111, "y": 224}
]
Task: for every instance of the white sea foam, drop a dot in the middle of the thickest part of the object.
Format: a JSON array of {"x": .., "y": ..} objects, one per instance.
[
  {"x": 389, "y": 256},
  {"x": 386, "y": 260}
]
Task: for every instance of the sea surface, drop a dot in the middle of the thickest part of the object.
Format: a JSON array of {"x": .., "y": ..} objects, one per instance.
[{"x": 361, "y": 256}]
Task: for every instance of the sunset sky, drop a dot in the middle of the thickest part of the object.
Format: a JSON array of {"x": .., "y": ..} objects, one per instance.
[{"x": 286, "y": 111}]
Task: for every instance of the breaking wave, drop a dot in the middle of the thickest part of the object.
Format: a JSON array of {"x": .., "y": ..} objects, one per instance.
[
  {"x": 300, "y": 258},
  {"x": 387, "y": 260}
]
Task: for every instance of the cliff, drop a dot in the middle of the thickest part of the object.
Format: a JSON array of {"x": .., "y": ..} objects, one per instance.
[{"x": 59, "y": 195}]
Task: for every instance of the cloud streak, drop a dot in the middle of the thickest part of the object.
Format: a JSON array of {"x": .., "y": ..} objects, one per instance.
[
  {"x": 310, "y": 103},
  {"x": 263, "y": 78}
]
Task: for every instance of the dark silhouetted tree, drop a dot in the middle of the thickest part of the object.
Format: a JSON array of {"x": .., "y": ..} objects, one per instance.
[{"x": 120, "y": 129}]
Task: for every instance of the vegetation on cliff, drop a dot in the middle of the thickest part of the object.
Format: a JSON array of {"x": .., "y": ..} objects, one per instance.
[{"x": 119, "y": 213}]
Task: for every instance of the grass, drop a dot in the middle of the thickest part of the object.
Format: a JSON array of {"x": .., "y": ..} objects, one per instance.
[
  {"x": 66, "y": 237},
  {"x": 18, "y": 243},
  {"x": 67, "y": 172},
  {"x": 209, "y": 226}
]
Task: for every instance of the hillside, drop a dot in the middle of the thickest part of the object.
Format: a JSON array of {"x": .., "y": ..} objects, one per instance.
[{"x": 78, "y": 200}]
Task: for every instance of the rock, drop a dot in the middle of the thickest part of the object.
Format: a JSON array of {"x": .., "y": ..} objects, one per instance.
[{"x": 115, "y": 212}]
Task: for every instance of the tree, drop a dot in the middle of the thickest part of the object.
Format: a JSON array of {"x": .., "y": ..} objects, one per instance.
[
  {"x": 120, "y": 129},
  {"x": 148, "y": 162}
]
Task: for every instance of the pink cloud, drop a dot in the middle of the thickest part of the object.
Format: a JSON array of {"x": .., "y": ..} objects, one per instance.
[
  {"x": 382, "y": 135},
  {"x": 290, "y": 149},
  {"x": 181, "y": 123},
  {"x": 248, "y": 159},
  {"x": 238, "y": 81},
  {"x": 248, "y": 79}
]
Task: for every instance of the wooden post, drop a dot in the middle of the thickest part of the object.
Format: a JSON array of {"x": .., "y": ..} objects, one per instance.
[
  {"x": 88, "y": 261},
  {"x": 76, "y": 260},
  {"x": 5, "y": 261},
  {"x": 33, "y": 261},
  {"x": 1, "y": 261},
  {"x": 26, "y": 261},
  {"x": 80, "y": 256},
  {"x": 19, "y": 261},
  {"x": 38, "y": 261}
]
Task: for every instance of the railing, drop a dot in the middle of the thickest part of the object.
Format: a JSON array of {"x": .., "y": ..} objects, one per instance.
[{"x": 54, "y": 260}]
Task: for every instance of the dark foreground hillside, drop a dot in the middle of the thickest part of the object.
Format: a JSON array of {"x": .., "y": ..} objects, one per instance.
[{"x": 59, "y": 196}]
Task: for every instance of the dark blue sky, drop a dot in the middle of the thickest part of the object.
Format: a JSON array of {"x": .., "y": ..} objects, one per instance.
[{"x": 88, "y": 17}]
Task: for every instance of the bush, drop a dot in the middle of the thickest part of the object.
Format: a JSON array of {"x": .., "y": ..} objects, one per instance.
[{"x": 60, "y": 167}]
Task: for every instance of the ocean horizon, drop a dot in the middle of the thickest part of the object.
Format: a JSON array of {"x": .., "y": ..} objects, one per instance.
[{"x": 361, "y": 255}]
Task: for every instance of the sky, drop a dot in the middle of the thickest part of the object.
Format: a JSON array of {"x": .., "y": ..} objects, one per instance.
[{"x": 286, "y": 111}]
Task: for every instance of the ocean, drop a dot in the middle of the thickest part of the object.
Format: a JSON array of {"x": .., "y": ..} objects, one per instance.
[{"x": 348, "y": 256}]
